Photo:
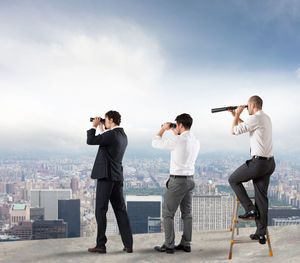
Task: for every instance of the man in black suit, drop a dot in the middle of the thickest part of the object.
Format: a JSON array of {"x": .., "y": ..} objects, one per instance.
[{"x": 108, "y": 171}]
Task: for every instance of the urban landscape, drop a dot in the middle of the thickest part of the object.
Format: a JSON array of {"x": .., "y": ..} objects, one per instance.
[{"x": 54, "y": 197}]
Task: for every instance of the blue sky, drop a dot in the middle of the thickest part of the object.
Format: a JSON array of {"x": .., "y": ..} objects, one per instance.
[{"x": 64, "y": 61}]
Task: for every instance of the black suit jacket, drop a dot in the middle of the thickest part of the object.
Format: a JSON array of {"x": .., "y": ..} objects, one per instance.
[{"x": 112, "y": 146}]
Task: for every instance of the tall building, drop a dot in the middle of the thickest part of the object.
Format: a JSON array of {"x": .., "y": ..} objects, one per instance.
[
  {"x": 48, "y": 199},
  {"x": 46, "y": 229},
  {"x": 19, "y": 213},
  {"x": 211, "y": 210},
  {"x": 74, "y": 186},
  {"x": 69, "y": 211},
  {"x": 140, "y": 208}
]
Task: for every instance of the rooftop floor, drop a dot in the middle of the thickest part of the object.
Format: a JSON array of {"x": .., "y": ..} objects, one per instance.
[{"x": 207, "y": 246}]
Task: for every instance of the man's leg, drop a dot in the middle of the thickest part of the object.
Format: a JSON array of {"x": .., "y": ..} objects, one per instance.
[
  {"x": 104, "y": 188},
  {"x": 173, "y": 195},
  {"x": 243, "y": 174},
  {"x": 261, "y": 198},
  {"x": 186, "y": 214},
  {"x": 118, "y": 204}
]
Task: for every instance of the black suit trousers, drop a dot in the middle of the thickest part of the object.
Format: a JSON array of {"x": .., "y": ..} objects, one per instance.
[
  {"x": 259, "y": 171},
  {"x": 112, "y": 191}
]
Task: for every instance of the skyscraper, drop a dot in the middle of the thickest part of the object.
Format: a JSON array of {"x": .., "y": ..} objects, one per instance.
[
  {"x": 140, "y": 208},
  {"x": 48, "y": 199},
  {"x": 69, "y": 211}
]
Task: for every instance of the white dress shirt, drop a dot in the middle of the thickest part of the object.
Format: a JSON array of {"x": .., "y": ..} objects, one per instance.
[
  {"x": 184, "y": 151},
  {"x": 259, "y": 126}
]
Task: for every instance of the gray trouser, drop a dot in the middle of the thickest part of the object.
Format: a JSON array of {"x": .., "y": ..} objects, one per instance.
[
  {"x": 178, "y": 192},
  {"x": 259, "y": 171}
]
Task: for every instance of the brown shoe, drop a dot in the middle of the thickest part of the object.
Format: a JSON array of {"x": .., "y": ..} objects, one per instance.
[
  {"x": 128, "y": 249},
  {"x": 97, "y": 250}
]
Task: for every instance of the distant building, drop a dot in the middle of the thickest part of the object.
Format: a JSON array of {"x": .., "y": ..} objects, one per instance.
[
  {"x": 281, "y": 213},
  {"x": 23, "y": 230},
  {"x": 19, "y": 213},
  {"x": 211, "y": 210},
  {"x": 48, "y": 199},
  {"x": 69, "y": 211},
  {"x": 154, "y": 225},
  {"x": 46, "y": 229},
  {"x": 140, "y": 208},
  {"x": 37, "y": 213},
  {"x": 294, "y": 220}
]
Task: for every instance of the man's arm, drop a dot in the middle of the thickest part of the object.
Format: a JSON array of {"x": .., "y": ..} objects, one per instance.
[
  {"x": 236, "y": 120},
  {"x": 103, "y": 139},
  {"x": 164, "y": 143}
]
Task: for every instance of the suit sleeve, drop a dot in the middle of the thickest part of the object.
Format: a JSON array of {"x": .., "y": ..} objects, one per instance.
[{"x": 104, "y": 139}]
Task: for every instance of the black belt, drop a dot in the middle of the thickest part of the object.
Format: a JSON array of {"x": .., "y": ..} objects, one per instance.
[
  {"x": 262, "y": 158},
  {"x": 181, "y": 176}
]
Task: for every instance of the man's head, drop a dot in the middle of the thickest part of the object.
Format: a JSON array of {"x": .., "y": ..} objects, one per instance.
[
  {"x": 183, "y": 122},
  {"x": 255, "y": 104},
  {"x": 112, "y": 118}
]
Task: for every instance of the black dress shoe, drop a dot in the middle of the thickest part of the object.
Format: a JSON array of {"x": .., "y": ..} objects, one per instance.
[
  {"x": 128, "y": 249},
  {"x": 249, "y": 215},
  {"x": 163, "y": 248},
  {"x": 261, "y": 238},
  {"x": 184, "y": 248},
  {"x": 97, "y": 250}
]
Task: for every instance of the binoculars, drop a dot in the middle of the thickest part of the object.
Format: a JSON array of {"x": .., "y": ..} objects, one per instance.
[
  {"x": 225, "y": 108},
  {"x": 101, "y": 120}
]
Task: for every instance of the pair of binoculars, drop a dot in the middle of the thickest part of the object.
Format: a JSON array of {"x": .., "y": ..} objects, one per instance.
[{"x": 101, "y": 120}]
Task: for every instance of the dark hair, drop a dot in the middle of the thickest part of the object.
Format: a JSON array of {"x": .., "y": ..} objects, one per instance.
[
  {"x": 257, "y": 100},
  {"x": 114, "y": 115},
  {"x": 185, "y": 119}
]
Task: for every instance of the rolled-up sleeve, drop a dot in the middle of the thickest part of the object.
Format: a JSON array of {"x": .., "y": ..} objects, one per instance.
[
  {"x": 247, "y": 126},
  {"x": 164, "y": 143}
]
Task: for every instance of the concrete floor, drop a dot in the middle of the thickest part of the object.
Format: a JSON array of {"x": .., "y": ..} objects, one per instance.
[{"x": 207, "y": 246}]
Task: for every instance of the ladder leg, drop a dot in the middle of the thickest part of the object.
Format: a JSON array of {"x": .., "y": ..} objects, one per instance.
[
  {"x": 233, "y": 212},
  {"x": 236, "y": 217},
  {"x": 269, "y": 243}
]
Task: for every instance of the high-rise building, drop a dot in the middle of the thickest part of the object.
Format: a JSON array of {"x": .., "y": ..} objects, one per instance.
[
  {"x": 46, "y": 229},
  {"x": 140, "y": 208},
  {"x": 19, "y": 213},
  {"x": 48, "y": 199},
  {"x": 74, "y": 186},
  {"x": 211, "y": 210},
  {"x": 69, "y": 211}
]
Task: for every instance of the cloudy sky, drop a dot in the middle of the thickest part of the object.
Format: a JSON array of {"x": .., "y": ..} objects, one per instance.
[{"x": 62, "y": 62}]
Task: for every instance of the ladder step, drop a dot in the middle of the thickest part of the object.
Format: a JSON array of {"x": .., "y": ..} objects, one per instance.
[{"x": 238, "y": 241}]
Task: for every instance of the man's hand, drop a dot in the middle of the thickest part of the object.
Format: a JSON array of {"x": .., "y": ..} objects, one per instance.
[
  {"x": 96, "y": 122},
  {"x": 232, "y": 111},
  {"x": 240, "y": 109},
  {"x": 166, "y": 126}
]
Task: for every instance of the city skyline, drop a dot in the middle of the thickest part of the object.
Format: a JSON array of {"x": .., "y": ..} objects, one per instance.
[{"x": 63, "y": 62}]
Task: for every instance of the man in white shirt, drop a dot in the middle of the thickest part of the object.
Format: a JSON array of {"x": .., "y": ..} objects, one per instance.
[
  {"x": 184, "y": 151},
  {"x": 259, "y": 168}
]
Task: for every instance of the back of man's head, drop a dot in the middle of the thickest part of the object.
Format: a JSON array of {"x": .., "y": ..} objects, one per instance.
[
  {"x": 114, "y": 115},
  {"x": 185, "y": 119},
  {"x": 257, "y": 101}
]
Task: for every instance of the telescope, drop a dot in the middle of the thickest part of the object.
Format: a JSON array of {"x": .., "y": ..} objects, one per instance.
[{"x": 225, "y": 108}]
